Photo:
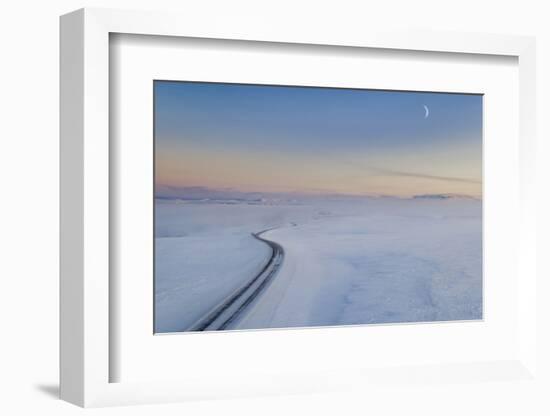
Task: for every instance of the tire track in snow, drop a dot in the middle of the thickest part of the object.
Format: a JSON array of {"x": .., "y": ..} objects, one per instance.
[{"x": 235, "y": 305}]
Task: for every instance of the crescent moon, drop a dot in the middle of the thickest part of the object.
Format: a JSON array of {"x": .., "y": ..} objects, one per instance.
[{"x": 427, "y": 110}]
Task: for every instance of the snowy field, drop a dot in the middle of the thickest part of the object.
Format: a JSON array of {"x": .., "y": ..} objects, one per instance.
[{"x": 346, "y": 261}]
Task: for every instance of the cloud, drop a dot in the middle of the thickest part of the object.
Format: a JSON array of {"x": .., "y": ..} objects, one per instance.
[{"x": 391, "y": 172}]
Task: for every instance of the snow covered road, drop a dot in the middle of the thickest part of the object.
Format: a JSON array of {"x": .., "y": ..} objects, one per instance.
[{"x": 228, "y": 312}]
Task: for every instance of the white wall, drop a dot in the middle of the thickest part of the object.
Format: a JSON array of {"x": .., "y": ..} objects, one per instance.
[{"x": 29, "y": 172}]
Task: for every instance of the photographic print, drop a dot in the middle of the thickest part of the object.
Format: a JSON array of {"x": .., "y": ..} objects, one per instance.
[{"x": 290, "y": 206}]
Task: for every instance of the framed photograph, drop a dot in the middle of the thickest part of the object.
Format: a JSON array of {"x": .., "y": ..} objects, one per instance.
[
  {"x": 321, "y": 199},
  {"x": 287, "y": 206}
]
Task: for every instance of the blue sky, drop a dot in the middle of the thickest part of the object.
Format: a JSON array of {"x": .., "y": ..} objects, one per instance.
[{"x": 321, "y": 140}]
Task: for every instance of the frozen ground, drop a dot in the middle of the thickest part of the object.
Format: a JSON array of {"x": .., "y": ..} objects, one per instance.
[{"x": 347, "y": 261}]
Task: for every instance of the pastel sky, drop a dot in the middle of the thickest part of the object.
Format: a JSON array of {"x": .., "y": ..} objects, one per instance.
[{"x": 254, "y": 138}]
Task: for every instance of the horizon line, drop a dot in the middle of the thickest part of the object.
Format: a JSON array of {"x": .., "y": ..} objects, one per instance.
[{"x": 181, "y": 190}]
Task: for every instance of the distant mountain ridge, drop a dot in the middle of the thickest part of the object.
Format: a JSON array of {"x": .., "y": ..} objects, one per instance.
[
  {"x": 444, "y": 196},
  {"x": 203, "y": 194}
]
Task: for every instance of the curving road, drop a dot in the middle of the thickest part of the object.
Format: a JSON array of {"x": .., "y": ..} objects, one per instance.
[{"x": 235, "y": 305}]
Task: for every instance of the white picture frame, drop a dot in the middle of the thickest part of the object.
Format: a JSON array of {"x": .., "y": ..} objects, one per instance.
[{"x": 85, "y": 206}]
